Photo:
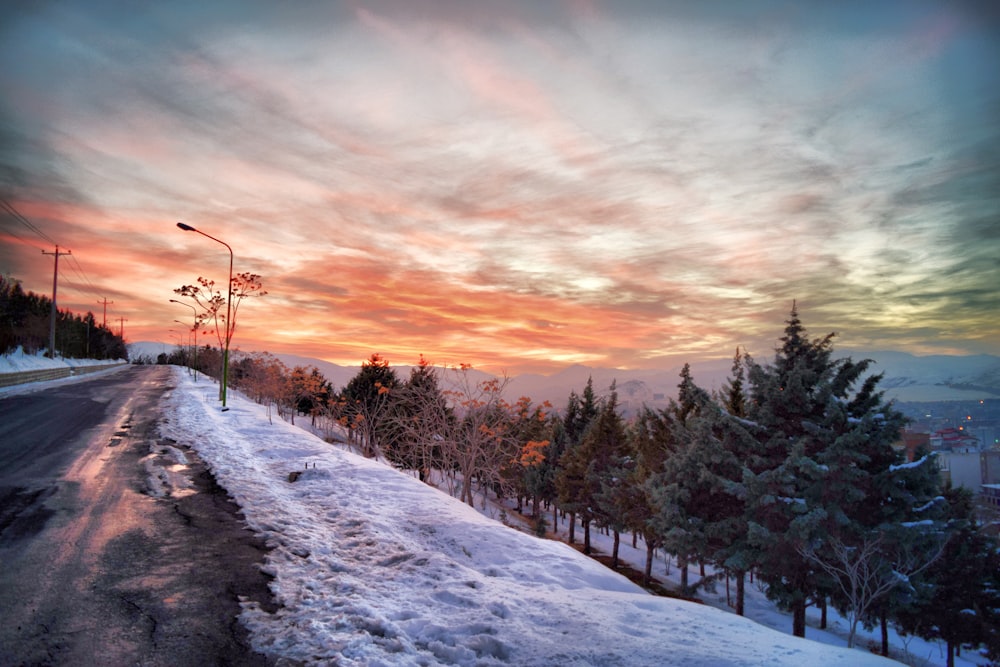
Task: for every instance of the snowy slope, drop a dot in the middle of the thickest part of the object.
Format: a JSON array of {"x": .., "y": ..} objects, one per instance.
[
  {"x": 373, "y": 567},
  {"x": 17, "y": 361}
]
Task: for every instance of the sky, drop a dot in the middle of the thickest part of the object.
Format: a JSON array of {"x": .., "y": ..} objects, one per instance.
[{"x": 519, "y": 186}]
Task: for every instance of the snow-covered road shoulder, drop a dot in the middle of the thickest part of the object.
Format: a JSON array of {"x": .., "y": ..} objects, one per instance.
[{"x": 373, "y": 567}]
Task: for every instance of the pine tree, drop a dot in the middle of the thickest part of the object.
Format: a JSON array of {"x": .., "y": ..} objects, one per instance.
[
  {"x": 652, "y": 441},
  {"x": 676, "y": 491},
  {"x": 608, "y": 472},
  {"x": 732, "y": 398},
  {"x": 534, "y": 468},
  {"x": 570, "y": 477},
  {"x": 958, "y": 599},
  {"x": 418, "y": 415},
  {"x": 586, "y": 464},
  {"x": 730, "y": 530},
  {"x": 817, "y": 478},
  {"x": 367, "y": 400},
  {"x": 698, "y": 494}
]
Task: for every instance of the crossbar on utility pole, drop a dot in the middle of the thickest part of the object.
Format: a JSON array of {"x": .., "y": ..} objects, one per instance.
[
  {"x": 105, "y": 302},
  {"x": 55, "y": 282}
]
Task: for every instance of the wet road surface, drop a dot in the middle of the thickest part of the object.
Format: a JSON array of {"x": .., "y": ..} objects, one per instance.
[{"x": 116, "y": 546}]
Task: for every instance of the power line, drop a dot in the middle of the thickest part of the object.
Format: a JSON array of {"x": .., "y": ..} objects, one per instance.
[
  {"x": 78, "y": 268},
  {"x": 8, "y": 208},
  {"x": 13, "y": 212},
  {"x": 30, "y": 244},
  {"x": 74, "y": 262}
]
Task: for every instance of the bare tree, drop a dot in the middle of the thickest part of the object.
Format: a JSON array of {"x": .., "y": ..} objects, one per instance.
[
  {"x": 483, "y": 442},
  {"x": 263, "y": 377},
  {"x": 868, "y": 571},
  {"x": 214, "y": 307}
]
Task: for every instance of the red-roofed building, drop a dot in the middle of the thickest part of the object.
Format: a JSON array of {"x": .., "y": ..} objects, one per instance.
[{"x": 954, "y": 440}]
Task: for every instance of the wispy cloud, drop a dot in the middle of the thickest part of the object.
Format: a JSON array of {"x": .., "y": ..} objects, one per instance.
[{"x": 517, "y": 185}]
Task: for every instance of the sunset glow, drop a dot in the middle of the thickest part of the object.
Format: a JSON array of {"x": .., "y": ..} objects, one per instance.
[{"x": 516, "y": 185}]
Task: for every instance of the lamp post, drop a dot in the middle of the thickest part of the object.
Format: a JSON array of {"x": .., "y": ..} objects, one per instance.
[
  {"x": 194, "y": 332},
  {"x": 229, "y": 302},
  {"x": 186, "y": 358}
]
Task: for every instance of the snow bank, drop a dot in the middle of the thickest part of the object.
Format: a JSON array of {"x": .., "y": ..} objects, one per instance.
[
  {"x": 373, "y": 567},
  {"x": 18, "y": 361}
]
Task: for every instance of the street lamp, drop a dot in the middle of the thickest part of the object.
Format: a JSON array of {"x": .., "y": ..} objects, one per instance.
[
  {"x": 194, "y": 333},
  {"x": 229, "y": 302},
  {"x": 187, "y": 359}
]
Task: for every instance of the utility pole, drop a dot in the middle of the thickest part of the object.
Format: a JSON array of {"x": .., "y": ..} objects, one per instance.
[
  {"x": 121, "y": 330},
  {"x": 55, "y": 281},
  {"x": 105, "y": 302}
]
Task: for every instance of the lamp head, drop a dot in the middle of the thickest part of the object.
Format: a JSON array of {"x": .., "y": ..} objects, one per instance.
[{"x": 186, "y": 228}]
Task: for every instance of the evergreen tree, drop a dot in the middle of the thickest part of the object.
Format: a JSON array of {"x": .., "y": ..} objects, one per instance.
[
  {"x": 366, "y": 399},
  {"x": 534, "y": 467},
  {"x": 958, "y": 598},
  {"x": 817, "y": 477},
  {"x": 600, "y": 452},
  {"x": 677, "y": 491},
  {"x": 698, "y": 495},
  {"x": 732, "y": 398},
  {"x": 652, "y": 442},
  {"x": 570, "y": 478},
  {"x": 419, "y": 414},
  {"x": 25, "y": 319},
  {"x": 729, "y": 532},
  {"x": 622, "y": 501}
]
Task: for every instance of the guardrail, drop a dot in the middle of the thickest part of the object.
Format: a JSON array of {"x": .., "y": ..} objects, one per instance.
[{"x": 42, "y": 374}]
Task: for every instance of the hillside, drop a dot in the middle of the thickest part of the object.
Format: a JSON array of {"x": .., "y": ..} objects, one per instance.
[{"x": 374, "y": 567}]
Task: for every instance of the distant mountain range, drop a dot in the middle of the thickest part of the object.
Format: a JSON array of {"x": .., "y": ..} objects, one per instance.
[{"x": 907, "y": 378}]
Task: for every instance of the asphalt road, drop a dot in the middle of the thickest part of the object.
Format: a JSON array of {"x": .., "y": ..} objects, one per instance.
[{"x": 116, "y": 546}]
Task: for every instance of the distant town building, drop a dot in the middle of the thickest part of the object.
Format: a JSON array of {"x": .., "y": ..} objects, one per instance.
[
  {"x": 965, "y": 437},
  {"x": 972, "y": 470},
  {"x": 960, "y": 469},
  {"x": 991, "y": 495},
  {"x": 954, "y": 440},
  {"x": 912, "y": 441}
]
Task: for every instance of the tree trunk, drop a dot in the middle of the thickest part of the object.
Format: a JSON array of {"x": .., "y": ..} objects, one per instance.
[
  {"x": 883, "y": 622},
  {"x": 741, "y": 577},
  {"x": 951, "y": 655},
  {"x": 647, "y": 574},
  {"x": 555, "y": 520},
  {"x": 586, "y": 537},
  {"x": 614, "y": 550},
  {"x": 635, "y": 539},
  {"x": 852, "y": 634},
  {"x": 683, "y": 564},
  {"x": 572, "y": 527},
  {"x": 822, "y": 618},
  {"x": 467, "y": 491},
  {"x": 799, "y": 618}
]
